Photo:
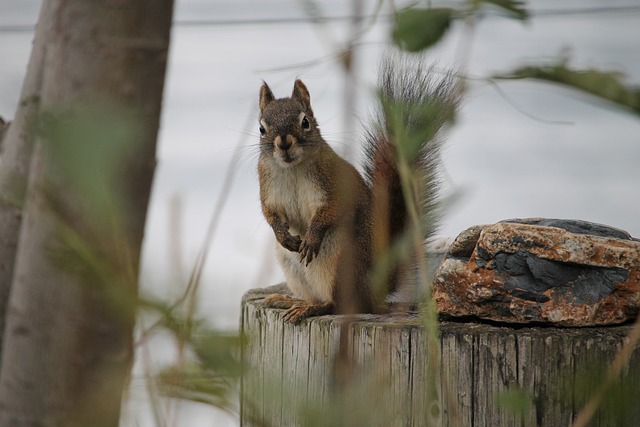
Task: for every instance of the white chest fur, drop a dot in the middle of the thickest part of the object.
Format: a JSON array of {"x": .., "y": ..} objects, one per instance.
[{"x": 295, "y": 195}]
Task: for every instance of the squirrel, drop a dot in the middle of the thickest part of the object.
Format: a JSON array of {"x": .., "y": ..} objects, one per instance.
[{"x": 332, "y": 224}]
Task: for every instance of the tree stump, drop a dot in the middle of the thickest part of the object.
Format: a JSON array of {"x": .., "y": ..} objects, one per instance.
[{"x": 491, "y": 374}]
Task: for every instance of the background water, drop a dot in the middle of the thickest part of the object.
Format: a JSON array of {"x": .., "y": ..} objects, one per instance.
[{"x": 528, "y": 149}]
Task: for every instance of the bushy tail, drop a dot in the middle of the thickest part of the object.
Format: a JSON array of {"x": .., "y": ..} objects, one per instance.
[{"x": 415, "y": 103}]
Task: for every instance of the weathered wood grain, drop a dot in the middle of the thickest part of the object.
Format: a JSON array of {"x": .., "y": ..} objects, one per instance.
[{"x": 490, "y": 375}]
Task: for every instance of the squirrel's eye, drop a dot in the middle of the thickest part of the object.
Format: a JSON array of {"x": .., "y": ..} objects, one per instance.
[
  {"x": 305, "y": 123},
  {"x": 262, "y": 130}
]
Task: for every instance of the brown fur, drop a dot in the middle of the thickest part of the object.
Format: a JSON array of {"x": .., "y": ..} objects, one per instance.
[
  {"x": 330, "y": 224},
  {"x": 319, "y": 208}
]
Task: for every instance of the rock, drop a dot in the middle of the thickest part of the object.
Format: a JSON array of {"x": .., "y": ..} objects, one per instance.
[{"x": 563, "y": 272}]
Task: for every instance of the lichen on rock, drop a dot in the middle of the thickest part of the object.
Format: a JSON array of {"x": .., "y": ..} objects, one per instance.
[{"x": 564, "y": 272}]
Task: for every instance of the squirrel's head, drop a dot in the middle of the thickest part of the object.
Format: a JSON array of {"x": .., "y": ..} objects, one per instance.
[{"x": 287, "y": 127}]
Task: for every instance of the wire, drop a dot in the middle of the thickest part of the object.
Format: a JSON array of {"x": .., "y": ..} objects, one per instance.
[{"x": 543, "y": 13}]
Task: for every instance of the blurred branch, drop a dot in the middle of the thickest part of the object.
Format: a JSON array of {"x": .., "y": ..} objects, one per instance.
[
  {"x": 520, "y": 109},
  {"x": 606, "y": 85},
  {"x": 227, "y": 183}
]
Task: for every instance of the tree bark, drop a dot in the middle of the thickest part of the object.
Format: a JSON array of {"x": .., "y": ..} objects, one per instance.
[
  {"x": 68, "y": 335},
  {"x": 16, "y": 156}
]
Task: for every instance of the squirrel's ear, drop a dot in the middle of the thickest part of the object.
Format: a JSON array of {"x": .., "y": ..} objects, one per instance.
[
  {"x": 266, "y": 96},
  {"x": 301, "y": 94}
]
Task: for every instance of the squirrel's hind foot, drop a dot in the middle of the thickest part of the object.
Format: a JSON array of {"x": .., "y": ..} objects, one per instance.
[
  {"x": 281, "y": 301},
  {"x": 297, "y": 309},
  {"x": 301, "y": 311}
]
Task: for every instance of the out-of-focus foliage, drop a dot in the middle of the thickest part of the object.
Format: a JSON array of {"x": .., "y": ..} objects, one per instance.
[
  {"x": 195, "y": 383},
  {"x": 419, "y": 28},
  {"x": 607, "y": 85},
  {"x": 517, "y": 401},
  {"x": 88, "y": 145},
  {"x": 416, "y": 29},
  {"x": 211, "y": 367},
  {"x": 426, "y": 117},
  {"x": 514, "y": 8}
]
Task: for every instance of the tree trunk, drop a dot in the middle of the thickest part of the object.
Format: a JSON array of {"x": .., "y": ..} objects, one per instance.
[
  {"x": 68, "y": 334},
  {"x": 16, "y": 156}
]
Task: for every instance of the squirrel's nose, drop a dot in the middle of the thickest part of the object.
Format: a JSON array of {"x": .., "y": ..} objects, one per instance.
[{"x": 284, "y": 143}]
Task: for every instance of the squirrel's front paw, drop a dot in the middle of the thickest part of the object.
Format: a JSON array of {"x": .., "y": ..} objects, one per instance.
[
  {"x": 309, "y": 249},
  {"x": 288, "y": 241},
  {"x": 292, "y": 243}
]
